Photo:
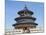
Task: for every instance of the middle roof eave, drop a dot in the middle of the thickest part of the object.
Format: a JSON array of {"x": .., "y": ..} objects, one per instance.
[{"x": 25, "y": 17}]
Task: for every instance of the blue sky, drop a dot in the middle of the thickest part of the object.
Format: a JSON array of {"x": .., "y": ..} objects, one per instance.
[{"x": 12, "y": 7}]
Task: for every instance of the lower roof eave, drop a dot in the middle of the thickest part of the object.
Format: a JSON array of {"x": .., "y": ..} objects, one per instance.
[{"x": 25, "y": 23}]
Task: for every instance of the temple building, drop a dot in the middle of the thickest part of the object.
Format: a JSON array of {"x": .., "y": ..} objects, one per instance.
[{"x": 26, "y": 21}]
